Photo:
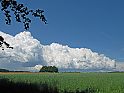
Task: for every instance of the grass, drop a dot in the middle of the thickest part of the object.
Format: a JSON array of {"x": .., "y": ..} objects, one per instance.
[
  {"x": 7, "y": 86},
  {"x": 72, "y": 82}
]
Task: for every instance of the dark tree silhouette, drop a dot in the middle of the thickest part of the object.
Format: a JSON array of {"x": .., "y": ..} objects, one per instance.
[
  {"x": 1, "y": 39},
  {"x": 5, "y": 43},
  {"x": 49, "y": 69},
  {"x": 20, "y": 12}
]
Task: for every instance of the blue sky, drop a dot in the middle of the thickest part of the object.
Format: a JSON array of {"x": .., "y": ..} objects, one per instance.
[{"x": 94, "y": 24}]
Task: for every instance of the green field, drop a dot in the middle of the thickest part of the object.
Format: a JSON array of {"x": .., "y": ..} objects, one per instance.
[{"x": 100, "y": 82}]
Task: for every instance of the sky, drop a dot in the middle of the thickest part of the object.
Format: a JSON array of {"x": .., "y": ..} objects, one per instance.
[{"x": 94, "y": 24}]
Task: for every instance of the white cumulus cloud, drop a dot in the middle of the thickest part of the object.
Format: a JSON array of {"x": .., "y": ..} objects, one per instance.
[{"x": 29, "y": 54}]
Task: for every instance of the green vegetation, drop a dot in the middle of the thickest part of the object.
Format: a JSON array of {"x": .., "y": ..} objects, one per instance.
[
  {"x": 7, "y": 86},
  {"x": 70, "y": 82},
  {"x": 49, "y": 69}
]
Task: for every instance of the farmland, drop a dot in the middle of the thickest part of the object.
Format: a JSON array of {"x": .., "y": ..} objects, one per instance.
[{"x": 98, "y": 82}]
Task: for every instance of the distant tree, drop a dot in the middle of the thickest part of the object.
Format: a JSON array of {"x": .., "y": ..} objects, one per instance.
[
  {"x": 55, "y": 69},
  {"x": 49, "y": 69},
  {"x": 44, "y": 69},
  {"x": 4, "y": 70},
  {"x": 20, "y": 12}
]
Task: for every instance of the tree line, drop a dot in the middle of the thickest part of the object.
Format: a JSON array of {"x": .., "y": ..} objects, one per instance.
[
  {"x": 43, "y": 69},
  {"x": 49, "y": 69}
]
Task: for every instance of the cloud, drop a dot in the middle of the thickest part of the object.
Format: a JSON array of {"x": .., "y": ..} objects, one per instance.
[
  {"x": 30, "y": 54},
  {"x": 119, "y": 66}
]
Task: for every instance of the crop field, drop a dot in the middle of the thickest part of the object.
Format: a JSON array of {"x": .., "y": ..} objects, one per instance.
[{"x": 98, "y": 82}]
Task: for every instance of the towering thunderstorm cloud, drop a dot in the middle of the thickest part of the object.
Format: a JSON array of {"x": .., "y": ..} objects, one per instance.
[{"x": 29, "y": 54}]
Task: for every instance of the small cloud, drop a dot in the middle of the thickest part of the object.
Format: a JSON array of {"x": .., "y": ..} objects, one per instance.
[{"x": 119, "y": 66}]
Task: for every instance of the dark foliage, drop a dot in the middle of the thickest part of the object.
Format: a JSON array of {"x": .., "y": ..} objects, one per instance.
[
  {"x": 19, "y": 71},
  {"x": 20, "y": 12},
  {"x": 4, "y": 70},
  {"x": 49, "y": 69},
  {"x": 7, "y": 86},
  {"x": 5, "y": 43}
]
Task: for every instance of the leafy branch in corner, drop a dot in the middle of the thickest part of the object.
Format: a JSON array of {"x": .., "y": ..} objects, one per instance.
[
  {"x": 5, "y": 43},
  {"x": 20, "y": 12}
]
